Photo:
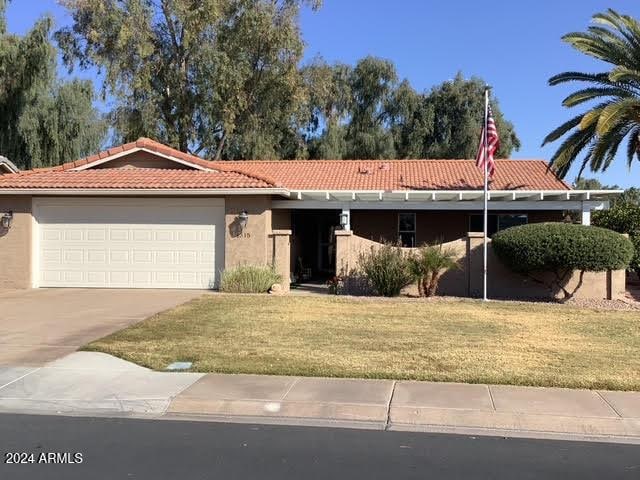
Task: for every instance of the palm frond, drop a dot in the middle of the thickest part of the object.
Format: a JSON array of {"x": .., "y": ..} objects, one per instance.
[
  {"x": 606, "y": 147},
  {"x": 571, "y": 148},
  {"x": 615, "y": 39},
  {"x": 624, "y": 25},
  {"x": 585, "y": 161},
  {"x": 613, "y": 51},
  {"x": 562, "y": 129},
  {"x": 616, "y": 113},
  {"x": 600, "y": 78},
  {"x": 633, "y": 147},
  {"x": 591, "y": 117},
  {"x": 623, "y": 74},
  {"x": 592, "y": 93}
]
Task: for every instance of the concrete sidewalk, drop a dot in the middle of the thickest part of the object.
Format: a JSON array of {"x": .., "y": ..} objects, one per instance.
[
  {"x": 87, "y": 383},
  {"x": 419, "y": 406}
]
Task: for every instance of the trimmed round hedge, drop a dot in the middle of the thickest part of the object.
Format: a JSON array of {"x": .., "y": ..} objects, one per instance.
[{"x": 538, "y": 247}]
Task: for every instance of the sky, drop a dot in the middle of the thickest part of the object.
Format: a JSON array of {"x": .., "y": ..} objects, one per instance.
[{"x": 515, "y": 46}]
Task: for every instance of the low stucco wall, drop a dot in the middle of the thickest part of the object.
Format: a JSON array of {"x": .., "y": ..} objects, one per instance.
[
  {"x": 15, "y": 243},
  {"x": 467, "y": 281}
]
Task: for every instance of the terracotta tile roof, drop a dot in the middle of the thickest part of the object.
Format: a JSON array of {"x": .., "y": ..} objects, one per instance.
[
  {"x": 401, "y": 174},
  {"x": 140, "y": 178},
  {"x": 290, "y": 174},
  {"x": 152, "y": 146}
]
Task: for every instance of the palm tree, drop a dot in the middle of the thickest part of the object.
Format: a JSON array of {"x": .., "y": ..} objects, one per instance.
[{"x": 614, "y": 39}]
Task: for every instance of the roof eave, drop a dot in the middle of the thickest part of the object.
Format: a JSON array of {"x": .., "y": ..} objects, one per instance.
[{"x": 145, "y": 191}]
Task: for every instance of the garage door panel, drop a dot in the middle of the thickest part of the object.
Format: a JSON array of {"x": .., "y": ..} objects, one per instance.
[{"x": 119, "y": 245}]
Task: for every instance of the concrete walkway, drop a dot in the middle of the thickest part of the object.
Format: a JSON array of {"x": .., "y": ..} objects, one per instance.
[{"x": 86, "y": 383}]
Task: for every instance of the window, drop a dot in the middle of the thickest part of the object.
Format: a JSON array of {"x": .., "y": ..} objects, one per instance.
[
  {"x": 407, "y": 229},
  {"x": 506, "y": 221},
  {"x": 496, "y": 222}
]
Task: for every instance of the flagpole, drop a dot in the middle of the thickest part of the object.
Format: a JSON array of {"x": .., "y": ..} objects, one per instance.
[{"x": 486, "y": 192}]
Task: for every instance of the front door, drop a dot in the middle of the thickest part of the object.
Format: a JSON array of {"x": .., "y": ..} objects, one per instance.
[{"x": 326, "y": 247}]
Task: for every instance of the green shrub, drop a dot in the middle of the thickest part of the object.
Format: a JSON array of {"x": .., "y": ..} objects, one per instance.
[
  {"x": 387, "y": 269},
  {"x": 561, "y": 248},
  {"x": 635, "y": 261},
  {"x": 428, "y": 264},
  {"x": 248, "y": 279},
  {"x": 623, "y": 217}
]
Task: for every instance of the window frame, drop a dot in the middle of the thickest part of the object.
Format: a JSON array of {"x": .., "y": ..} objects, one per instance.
[
  {"x": 497, "y": 216},
  {"x": 415, "y": 228}
]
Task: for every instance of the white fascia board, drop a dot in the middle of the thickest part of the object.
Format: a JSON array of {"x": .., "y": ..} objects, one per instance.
[
  {"x": 139, "y": 149},
  {"x": 441, "y": 205},
  {"x": 452, "y": 195},
  {"x": 137, "y": 192},
  {"x": 8, "y": 165}
]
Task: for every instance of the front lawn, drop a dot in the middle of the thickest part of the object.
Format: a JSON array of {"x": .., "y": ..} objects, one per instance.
[{"x": 454, "y": 341}]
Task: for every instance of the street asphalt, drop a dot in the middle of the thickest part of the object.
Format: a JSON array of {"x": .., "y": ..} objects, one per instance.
[{"x": 167, "y": 449}]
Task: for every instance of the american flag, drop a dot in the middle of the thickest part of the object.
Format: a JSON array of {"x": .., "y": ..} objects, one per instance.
[{"x": 493, "y": 143}]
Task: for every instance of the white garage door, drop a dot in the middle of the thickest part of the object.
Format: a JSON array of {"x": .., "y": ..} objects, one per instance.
[{"x": 129, "y": 242}]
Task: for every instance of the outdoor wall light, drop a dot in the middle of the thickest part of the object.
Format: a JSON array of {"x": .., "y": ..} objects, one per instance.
[
  {"x": 243, "y": 219},
  {"x": 6, "y": 220},
  {"x": 344, "y": 220}
]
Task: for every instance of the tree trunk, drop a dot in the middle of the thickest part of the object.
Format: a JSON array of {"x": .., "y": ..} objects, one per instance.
[
  {"x": 433, "y": 284},
  {"x": 221, "y": 146}
]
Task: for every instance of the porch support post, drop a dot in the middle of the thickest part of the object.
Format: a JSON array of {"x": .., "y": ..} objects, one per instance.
[
  {"x": 586, "y": 213},
  {"x": 344, "y": 260},
  {"x": 281, "y": 256}
]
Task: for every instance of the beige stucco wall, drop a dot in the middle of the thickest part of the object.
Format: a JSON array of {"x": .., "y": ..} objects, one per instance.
[
  {"x": 253, "y": 245},
  {"x": 281, "y": 256},
  {"x": 445, "y": 226},
  {"x": 503, "y": 283},
  {"x": 15, "y": 243},
  {"x": 266, "y": 240}
]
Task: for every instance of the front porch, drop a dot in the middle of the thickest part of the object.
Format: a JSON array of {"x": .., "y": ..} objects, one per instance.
[{"x": 330, "y": 229}]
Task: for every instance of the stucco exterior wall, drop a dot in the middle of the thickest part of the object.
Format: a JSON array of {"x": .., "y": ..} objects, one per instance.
[
  {"x": 466, "y": 281},
  {"x": 503, "y": 283},
  {"x": 15, "y": 243},
  {"x": 444, "y": 226},
  {"x": 252, "y": 246}
]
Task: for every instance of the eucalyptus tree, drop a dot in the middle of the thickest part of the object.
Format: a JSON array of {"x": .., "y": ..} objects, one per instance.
[
  {"x": 593, "y": 137},
  {"x": 217, "y": 78},
  {"x": 43, "y": 120}
]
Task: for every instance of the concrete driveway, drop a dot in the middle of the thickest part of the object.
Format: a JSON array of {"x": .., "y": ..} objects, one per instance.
[{"x": 37, "y": 326}]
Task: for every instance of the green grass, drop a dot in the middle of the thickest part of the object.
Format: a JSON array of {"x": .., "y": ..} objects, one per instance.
[{"x": 456, "y": 341}]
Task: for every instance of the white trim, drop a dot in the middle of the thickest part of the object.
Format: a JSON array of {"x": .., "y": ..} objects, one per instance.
[
  {"x": 134, "y": 150},
  {"x": 586, "y": 213},
  {"x": 35, "y": 244},
  {"x": 8, "y": 165},
  {"x": 353, "y": 197},
  {"x": 441, "y": 205},
  {"x": 450, "y": 195},
  {"x": 143, "y": 192},
  {"x": 92, "y": 201}
]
